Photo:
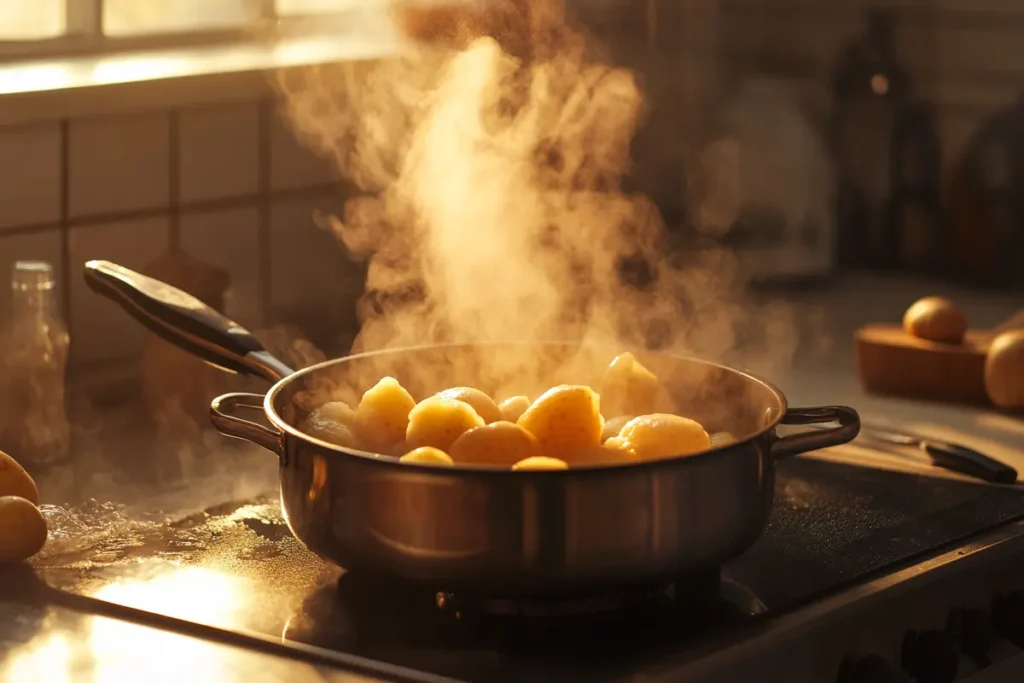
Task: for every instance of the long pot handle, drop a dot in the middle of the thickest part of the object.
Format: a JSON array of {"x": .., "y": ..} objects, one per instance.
[
  {"x": 185, "y": 321},
  {"x": 222, "y": 415},
  {"x": 812, "y": 440}
]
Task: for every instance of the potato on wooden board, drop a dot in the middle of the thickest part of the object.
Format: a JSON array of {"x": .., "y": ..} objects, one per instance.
[
  {"x": 22, "y": 529},
  {"x": 15, "y": 481},
  {"x": 1004, "y": 370},
  {"x": 935, "y": 319}
]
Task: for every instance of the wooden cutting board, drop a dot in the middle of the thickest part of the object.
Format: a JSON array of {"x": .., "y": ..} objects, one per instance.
[{"x": 892, "y": 362}]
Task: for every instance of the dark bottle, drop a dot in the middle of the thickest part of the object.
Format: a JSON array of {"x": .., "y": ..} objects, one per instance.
[{"x": 869, "y": 88}]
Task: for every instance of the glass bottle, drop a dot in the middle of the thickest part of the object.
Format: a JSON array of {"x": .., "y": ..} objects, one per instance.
[{"x": 34, "y": 427}]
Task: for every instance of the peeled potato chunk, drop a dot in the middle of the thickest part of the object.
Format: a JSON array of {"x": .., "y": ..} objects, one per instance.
[
  {"x": 498, "y": 443},
  {"x": 540, "y": 462},
  {"x": 513, "y": 407},
  {"x": 661, "y": 435},
  {"x": 22, "y": 529},
  {"x": 483, "y": 404},
  {"x": 628, "y": 388},
  {"x": 383, "y": 415},
  {"x": 438, "y": 422},
  {"x": 602, "y": 455},
  {"x": 15, "y": 481},
  {"x": 566, "y": 421},
  {"x": 427, "y": 455},
  {"x": 613, "y": 426},
  {"x": 333, "y": 422}
]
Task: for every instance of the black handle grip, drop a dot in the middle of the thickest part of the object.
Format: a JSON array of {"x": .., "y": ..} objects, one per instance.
[
  {"x": 184, "y": 321},
  {"x": 968, "y": 461}
]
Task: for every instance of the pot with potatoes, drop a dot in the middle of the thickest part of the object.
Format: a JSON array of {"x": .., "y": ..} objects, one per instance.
[{"x": 511, "y": 468}]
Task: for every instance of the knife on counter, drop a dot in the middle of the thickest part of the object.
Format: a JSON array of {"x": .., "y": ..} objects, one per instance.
[{"x": 947, "y": 455}]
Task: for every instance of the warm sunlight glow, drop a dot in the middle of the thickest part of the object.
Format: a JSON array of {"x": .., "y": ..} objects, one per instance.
[{"x": 48, "y": 660}]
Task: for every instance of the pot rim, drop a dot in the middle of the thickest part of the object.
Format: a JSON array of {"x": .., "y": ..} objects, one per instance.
[{"x": 291, "y": 432}]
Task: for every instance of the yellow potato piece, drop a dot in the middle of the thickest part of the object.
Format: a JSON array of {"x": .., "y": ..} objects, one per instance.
[
  {"x": 613, "y": 426},
  {"x": 628, "y": 388},
  {"x": 513, "y": 407},
  {"x": 22, "y": 529},
  {"x": 427, "y": 455},
  {"x": 383, "y": 415},
  {"x": 332, "y": 422},
  {"x": 661, "y": 435},
  {"x": 498, "y": 443},
  {"x": 719, "y": 439},
  {"x": 538, "y": 463},
  {"x": 15, "y": 481},
  {"x": 438, "y": 422},
  {"x": 566, "y": 420},
  {"x": 603, "y": 455},
  {"x": 483, "y": 404}
]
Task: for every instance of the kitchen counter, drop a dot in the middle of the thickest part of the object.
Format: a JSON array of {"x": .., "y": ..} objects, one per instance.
[{"x": 199, "y": 544}]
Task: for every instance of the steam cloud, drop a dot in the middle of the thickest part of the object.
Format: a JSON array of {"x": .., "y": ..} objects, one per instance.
[{"x": 490, "y": 160}]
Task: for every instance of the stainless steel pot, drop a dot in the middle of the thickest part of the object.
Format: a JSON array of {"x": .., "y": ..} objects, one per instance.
[{"x": 489, "y": 528}]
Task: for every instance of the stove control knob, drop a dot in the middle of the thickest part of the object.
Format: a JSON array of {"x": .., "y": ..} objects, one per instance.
[
  {"x": 973, "y": 630},
  {"x": 866, "y": 669},
  {"x": 1008, "y": 617},
  {"x": 930, "y": 656}
]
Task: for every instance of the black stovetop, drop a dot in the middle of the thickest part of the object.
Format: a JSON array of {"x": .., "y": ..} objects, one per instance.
[{"x": 832, "y": 525}]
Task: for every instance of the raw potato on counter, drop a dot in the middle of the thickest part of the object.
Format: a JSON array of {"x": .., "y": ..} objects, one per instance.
[
  {"x": 22, "y": 527},
  {"x": 568, "y": 425}
]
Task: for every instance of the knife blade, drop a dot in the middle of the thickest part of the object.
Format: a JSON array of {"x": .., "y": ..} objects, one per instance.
[{"x": 947, "y": 455}]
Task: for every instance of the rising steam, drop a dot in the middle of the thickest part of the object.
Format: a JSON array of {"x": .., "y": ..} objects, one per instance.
[{"x": 490, "y": 161}]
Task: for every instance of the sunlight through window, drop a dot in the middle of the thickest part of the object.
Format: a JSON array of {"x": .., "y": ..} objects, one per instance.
[{"x": 31, "y": 19}]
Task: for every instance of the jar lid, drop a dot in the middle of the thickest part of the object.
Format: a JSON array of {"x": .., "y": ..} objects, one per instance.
[{"x": 32, "y": 275}]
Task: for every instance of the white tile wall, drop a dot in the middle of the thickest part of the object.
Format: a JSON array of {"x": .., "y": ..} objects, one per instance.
[
  {"x": 30, "y": 174},
  {"x": 228, "y": 239},
  {"x": 100, "y": 329},
  {"x": 119, "y": 163},
  {"x": 219, "y": 151},
  {"x": 44, "y": 246},
  {"x": 291, "y": 164},
  {"x": 309, "y": 270}
]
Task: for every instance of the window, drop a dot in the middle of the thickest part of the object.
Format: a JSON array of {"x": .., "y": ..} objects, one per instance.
[
  {"x": 127, "y": 17},
  {"x": 28, "y": 19}
]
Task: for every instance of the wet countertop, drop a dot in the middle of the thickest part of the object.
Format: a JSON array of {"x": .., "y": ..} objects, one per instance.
[{"x": 190, "y": 527}]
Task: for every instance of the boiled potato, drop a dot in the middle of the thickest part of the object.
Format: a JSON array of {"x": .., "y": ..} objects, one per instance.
[
  {"x": 719, "y": 439},
  {"x": 498, "y": 443},
  {"x": 512, "y": 408},
  {"x": 333, "y": 422},
  {"x": 661, "y": 435},
  {"x": 628, "y": 388},
  {"x": 566, "y": 421},
  {"x": 603, "y": 455},
  {"x": 613, "y": 426},
  {"x": 15, "y": 481},
  {"x": 483, "y": 404},
  {"x": 383, "y": 415},
  {"x": 540, "y": 462},
  {"x": 427, "y": 455},
  {"x": 22, "y": 529},
  {"x": 438, "y": 422}
]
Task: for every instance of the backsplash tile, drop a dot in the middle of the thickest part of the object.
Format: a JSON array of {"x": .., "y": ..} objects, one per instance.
[
  {"x": 119, "y": 163},
  {"x": 313, "y": 282},
  {"x": 292, "y": 165},
  {"x": 35, "y": 246},
  {"x": 228, "y": 239},
  {"x": 100, "y": 330},
  {"x": 30, "y": 174},
  {"x": 219, "y": 151}
]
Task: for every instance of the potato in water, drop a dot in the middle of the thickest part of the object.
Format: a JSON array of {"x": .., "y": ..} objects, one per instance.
[
  {"x": 613, "y": 426},
  {"x": 602, "y": 455},
  {"x": 483, "y": 404},
  {"x": 427, "y": 455},
  {"x": 334, "y": 423},
  {"x": 438, "y": 422},
  {"x": 628, "y": 388},
  {"x": 566, "y": 421},
  {"x": 22, "y": 529},
  {"x": 540, "y": 463},
  {"x": 15, "y": 481},
  {"x": 498, "y": 443},
  {"x": 383, "y": 415},
  {"x": 512, "y": 408},
  {"x": 661, "y": 435}
]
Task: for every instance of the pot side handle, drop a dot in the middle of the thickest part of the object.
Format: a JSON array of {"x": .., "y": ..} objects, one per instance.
[
  {"x": 185, "y": 321},
  {"x": 813, "y": 439},
  {"x": 222, "y": 416}
]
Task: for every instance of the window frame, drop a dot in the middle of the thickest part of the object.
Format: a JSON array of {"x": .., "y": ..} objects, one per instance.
[{"x": 84, "y": 36}]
